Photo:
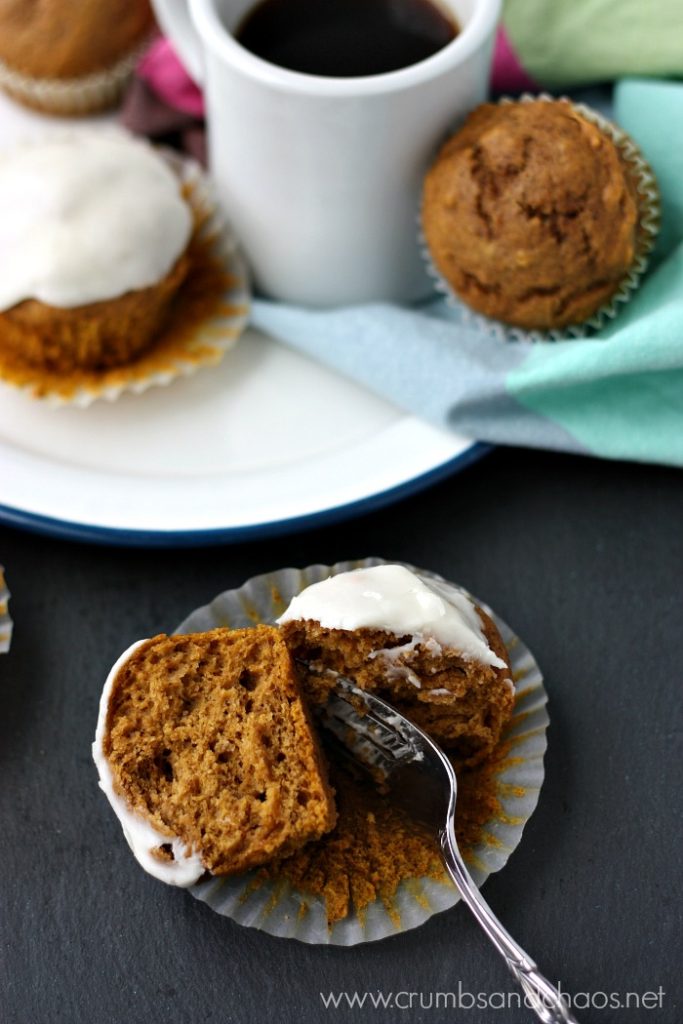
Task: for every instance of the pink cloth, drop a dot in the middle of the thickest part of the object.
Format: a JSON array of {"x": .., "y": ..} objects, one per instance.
[
  {"x": 162, "y": 70},
  {"x": 508, "y": 75}
]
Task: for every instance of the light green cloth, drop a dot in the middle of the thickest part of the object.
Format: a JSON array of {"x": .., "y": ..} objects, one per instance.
[
  {"x": 564, "y": 43},
  {"x": 621, "y": 395}
]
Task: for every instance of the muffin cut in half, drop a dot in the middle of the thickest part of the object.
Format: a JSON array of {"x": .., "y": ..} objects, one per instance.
[
  {"x": 206, "y": 753},
  {"x": 418, "y": 642}
]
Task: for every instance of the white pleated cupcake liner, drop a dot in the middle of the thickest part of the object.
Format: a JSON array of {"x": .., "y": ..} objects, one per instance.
[
  {"x": 5, "y": 620},
  {"x": 274, "y": 906},
  {"x": 206, "y": 345},
  {"x": 73, "y": 97},
  {"x": 649, "y": 220}
]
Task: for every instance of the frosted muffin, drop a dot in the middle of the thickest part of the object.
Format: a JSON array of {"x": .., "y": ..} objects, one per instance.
[
  {"x": 70, "y": 56},
  {"x": 94, "y": 233},
  {"x": 418, "y": 642},
  {"x": 205, "y": 751},
  {"x": 531, "y": 214}
]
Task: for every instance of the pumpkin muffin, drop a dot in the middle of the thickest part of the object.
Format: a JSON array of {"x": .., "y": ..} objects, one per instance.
[
  {"x": 94, "y": 234},
  {"x": 531, "y": 214},
  {"x": 70, "y": 57},
  {"x": 207, "y": 754},
  {"x": 205, "y": 751},
  {"x": 419, "y": 643}
]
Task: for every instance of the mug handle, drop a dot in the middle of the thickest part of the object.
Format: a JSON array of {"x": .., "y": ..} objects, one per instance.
[{"x": 175, "y": 21}]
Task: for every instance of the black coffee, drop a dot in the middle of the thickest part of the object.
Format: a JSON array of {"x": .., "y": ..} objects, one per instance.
[{"x": 345, "y": 38}]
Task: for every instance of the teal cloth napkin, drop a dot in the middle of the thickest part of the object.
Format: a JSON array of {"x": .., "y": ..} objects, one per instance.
[{"x": 618, "y": 394}]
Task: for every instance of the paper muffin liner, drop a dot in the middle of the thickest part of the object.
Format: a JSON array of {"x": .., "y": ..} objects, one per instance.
[
  {"x": 277, "y": 908},
  {"x": 73, "y": 97},
  {"x": 180, "y": 349},
  {"x": 5, "y": 620},
  {"x": 647, "y": 192}
]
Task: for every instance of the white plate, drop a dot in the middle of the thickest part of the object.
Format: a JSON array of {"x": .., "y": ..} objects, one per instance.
[{"x": 263, "y": 443}]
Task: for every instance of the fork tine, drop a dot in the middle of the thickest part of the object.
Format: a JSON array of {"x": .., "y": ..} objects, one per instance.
[
  {"x": 348, "y": 724},
  {"x": 376, "y": 750},
  {"x": 394, "y": 751},
  {"x": 364, "y": 722},
  {"x": 388, "y": 718},
  {"x": 387, "y": 728},
  {"x": 371, "y": 760},
  {"x": 373, "y": 729}
]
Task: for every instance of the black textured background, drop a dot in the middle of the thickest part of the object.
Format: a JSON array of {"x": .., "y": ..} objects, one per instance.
[{"x": 583, "y": 558}]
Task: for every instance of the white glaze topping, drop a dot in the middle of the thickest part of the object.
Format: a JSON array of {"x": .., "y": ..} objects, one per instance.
[
  {"x": 186, "y": 867},
  {"x": 391, "y": 598},
  {"x": 87, "y": 217}
]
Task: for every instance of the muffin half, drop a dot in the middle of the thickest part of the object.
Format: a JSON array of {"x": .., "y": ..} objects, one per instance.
[
  {"x": 206, "y": 753},
  {"x": 418, "y": 642}
]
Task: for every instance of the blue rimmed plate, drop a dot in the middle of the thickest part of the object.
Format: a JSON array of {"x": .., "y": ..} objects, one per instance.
[{"x": 264, "y": 443}]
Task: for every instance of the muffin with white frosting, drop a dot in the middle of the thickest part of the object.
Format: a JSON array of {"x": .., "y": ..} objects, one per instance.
[
  {"x": 94, "y": 236},
  {"x": 209, "y": 756},
  {"x": 206, "y": 753},
  {"x": 418, "y": 642}
]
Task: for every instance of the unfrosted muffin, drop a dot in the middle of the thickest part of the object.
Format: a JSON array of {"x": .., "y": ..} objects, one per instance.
[
  {"x": 531, "y": 214},
  {"x": 418, "y": 642},
  {"x": 206, "y": 753},
  {"x": 94, "y": 233},
  {"x": 70, "y": 56}
]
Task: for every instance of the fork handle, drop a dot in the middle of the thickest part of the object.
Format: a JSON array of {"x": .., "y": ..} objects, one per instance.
[{"x": 545, "y": 999}]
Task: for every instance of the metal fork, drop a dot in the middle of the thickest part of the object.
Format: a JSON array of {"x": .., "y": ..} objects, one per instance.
[{"x": 422, "y": 781}]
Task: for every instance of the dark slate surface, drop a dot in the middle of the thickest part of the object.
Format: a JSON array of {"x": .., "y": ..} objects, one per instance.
[{"x": 585, "y": 560}]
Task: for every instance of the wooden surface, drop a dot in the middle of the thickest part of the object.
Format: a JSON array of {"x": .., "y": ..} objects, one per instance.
[{"x": 584, "y": 559}]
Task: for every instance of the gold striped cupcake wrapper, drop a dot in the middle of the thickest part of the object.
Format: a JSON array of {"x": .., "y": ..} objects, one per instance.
[
  {"x": 5, "y": 620},
  {"x": 76, "y": 97}
]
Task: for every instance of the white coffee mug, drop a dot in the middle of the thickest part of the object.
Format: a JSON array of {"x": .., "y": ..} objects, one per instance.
[{"x": 319, "y": 176}]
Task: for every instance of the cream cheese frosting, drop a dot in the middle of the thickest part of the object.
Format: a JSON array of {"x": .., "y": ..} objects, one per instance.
[
  {"x": 86, "y": 218},
  {"x": 186, "y": 867},
  {"x": 394, "y": 599}
]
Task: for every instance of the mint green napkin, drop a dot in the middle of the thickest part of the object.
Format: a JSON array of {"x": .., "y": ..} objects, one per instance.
[
  {"x": 618, "y": 394},
  {"x": 565, "y": 43}
]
